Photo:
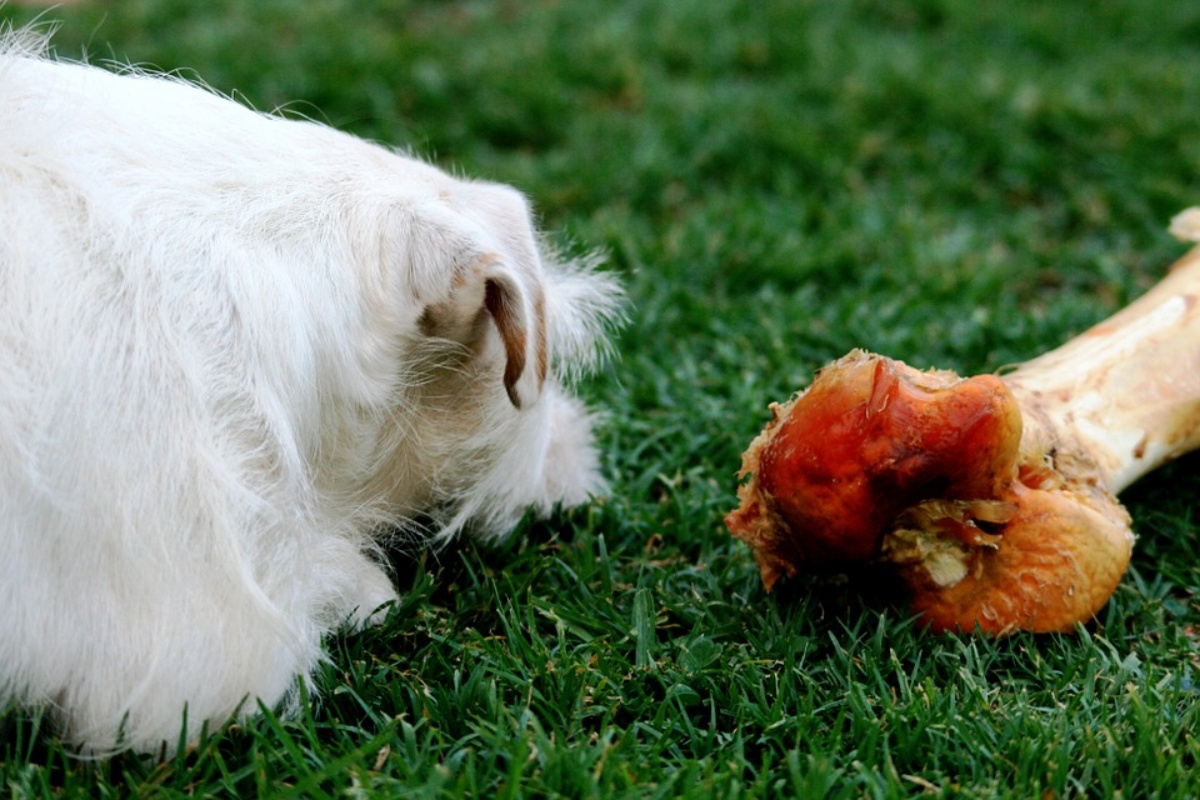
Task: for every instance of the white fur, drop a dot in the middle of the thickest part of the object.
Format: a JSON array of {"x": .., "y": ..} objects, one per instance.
[{"x": 234, "y": 351}]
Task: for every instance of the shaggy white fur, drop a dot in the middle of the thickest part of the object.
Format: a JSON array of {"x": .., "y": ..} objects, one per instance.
[{"x": 235, "y": 349}]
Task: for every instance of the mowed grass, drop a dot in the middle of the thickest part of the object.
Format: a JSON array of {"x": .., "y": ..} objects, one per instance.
[{"x": 956, "y": 184}]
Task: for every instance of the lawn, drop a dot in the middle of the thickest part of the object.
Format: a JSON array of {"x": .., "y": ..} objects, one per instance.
[{"x": 950, "y": 182}]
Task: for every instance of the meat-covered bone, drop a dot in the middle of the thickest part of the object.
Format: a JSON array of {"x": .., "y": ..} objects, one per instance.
[
  {"x": 993, "y": 498},
  {"x": 870, "y": 438}
]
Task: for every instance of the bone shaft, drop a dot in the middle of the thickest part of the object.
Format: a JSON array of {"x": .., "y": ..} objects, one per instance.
[{"x": 1128, "y": 389}]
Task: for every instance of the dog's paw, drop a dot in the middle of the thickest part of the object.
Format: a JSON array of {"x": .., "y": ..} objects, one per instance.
[{"x": 373, "y": 598}]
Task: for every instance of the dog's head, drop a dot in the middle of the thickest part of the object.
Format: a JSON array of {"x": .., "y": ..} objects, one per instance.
[{"x": 488, "y": 325}]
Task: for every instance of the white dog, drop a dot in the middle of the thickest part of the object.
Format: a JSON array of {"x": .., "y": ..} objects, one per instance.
[{"x": 235, "y": 351}]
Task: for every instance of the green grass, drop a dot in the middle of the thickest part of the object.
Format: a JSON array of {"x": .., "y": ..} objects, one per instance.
[{"x": 956, "y": 183}]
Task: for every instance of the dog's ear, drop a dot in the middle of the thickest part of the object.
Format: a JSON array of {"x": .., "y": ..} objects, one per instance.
[
  {"x": 490, "y": 298},
  {"x": 515, "y": 303},
  {"x": 473, "y": 269}
]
